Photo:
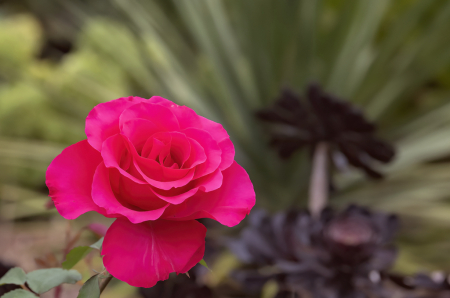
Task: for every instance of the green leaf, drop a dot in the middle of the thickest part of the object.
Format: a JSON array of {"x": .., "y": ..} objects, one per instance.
[
  {"x": 75, "y": 255},
  {"x": 203, "y": 263},
  {"x": 19, "y": 293},
  {"x": 90, "y": 289},
  {"x": 42, "y": 280},
  {"x": 98, "y": 244},
  {"x": 15, "y": 276}
]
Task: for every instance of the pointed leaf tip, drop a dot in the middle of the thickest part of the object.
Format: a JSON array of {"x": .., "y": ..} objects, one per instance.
[
  {"x": 75, "y": 255},
  {"x": 15, "y": 276},
  {"x": 91, "y": 288},
  {"x": 203, "y": 263},
  {"x": 98, "y": 244}
]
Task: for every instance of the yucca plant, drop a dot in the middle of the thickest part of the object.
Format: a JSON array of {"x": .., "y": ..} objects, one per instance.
[{"x": 228, "y": 59}]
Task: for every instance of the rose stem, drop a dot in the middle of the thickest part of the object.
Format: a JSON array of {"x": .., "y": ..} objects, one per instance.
[
  {"x": 105, "y": 283},
  {"x": 318, "y": 187}
]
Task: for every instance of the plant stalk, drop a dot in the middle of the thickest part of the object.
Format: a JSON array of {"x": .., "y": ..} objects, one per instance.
[
  {"x": 318, "y": 187},
  {"x": 105, "y": 283}
]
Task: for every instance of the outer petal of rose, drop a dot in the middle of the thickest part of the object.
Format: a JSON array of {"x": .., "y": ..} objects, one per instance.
[
  {"x": 161, "y": 116},
  {"x": 189, "y": 118},
  {"x": 69, "y": 179},
  {"x": 228, "y": 205},
  {"x": 103, "y": 121},
  {"x": 143, "y": 254},
  {"x": 228, "y": 153},
  {"x": 103, "y": 196}
]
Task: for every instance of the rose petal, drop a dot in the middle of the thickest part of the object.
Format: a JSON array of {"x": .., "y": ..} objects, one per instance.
[
  {"x": 175, "y": 196},
  {"x": 115, "y": 153},
  {"x": 228, "y": 153},
  {"x": 176, "y": 144},
  {"x": 138, "y": 195},
  {"x": 145, "y": 196},
  {"x": 212, "y": 151},
  {"x": 103, "y": 196},
  {"x": 161, "y": 116},
  {"x": 156, "y": 174},
  {"x": 228, "y": 205},
  {"x": 189, "y": 118},
  {"x": 153, "y": 173},
  {"x": 103, "y": 121},
  {"x": 138, "y": 131},
  {"x": 197, "y": 155},
  {"x": 143, "y": 254},
  {"x": 210, "y": 182},
  {"x": 152, "y": 148},
  {"x": 69, "y": 179}
]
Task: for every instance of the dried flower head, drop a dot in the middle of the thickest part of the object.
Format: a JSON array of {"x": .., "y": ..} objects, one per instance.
[{"x": 325, "y": 118}]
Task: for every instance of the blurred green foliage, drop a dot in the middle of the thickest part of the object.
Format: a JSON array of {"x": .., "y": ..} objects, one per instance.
[{"x": 225, "y": 59}]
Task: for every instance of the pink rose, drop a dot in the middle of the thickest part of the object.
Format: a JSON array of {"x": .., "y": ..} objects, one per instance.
[{"x": 156, "y": 167}]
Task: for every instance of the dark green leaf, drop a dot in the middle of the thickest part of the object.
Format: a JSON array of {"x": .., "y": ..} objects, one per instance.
[
  {"x": 75, "y": 255},
  {"x": 98, "y": 244},
  {"x": 19, "y": 293},
  {"x": 90, "y": 289},
  {"x": 14, "y": 276},
  {"x": 42, "y": 280}
]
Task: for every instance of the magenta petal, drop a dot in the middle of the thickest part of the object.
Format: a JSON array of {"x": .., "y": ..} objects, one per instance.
[
  {"x": 162, "y": 101},
  {"x": 104, "y": 196},
  {"x": 187, "y": 117},
  {"x": 228, "y": 205},
  {"x": 69, "y": 179},
  {"x": 212, "y": 151},
  {"x": 228, "y": 153},
  {"x": 138, "y": 195},
  {"x": 151, "y": 171},
  {"x": 175, "y": 143},
  {"x": 161, "y": 116},
  {"x": 209, "y": 182},
  {"x": 152, "y": 148},
  {"x": 116, "y": 154},
  {"x": 143, "y": 254},
  {"x": 196, "y": 156},
  {"x": 138, "y": 131},
  {"x": 103, "y": 121},
  {"x": 176, "y": 199}
]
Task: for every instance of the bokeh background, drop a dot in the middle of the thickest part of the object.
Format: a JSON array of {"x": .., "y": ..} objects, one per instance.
[{"x": 227, "y": 59}]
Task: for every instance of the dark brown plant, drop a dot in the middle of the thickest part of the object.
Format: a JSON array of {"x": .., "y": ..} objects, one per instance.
[
  {"x": 339, "y": 255},
  {"x": 323, "y": 117}
]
